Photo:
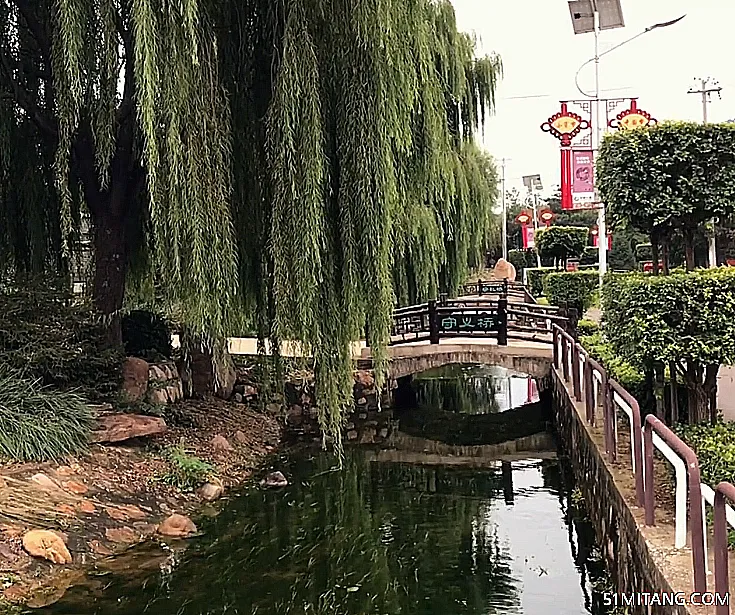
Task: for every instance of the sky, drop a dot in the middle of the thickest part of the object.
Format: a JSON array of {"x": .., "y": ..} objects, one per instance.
[{"x": 541, "y": 55}]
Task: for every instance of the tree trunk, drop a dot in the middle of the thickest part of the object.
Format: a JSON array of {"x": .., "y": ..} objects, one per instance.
[
  {"x": 689, "y": 245},
  {"x": 701, "y": 384},
  {"x": 659, "y": 390},
  {"x": 111, "y": 265},
  {"x": 665, "y": 253},
  {"x": 654, "y": 254}
]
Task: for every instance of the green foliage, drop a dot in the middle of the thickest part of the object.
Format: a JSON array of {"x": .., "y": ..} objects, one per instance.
[
  {"x": 535, "y": 277},
  {"x": 187, "y": 472},
  {"x": 575, "y": 288},
  {"x": 146, "y": 335},
  {"x": 587, "y": 327},
  {"x": 643, "y": 252},
  {"x": 522, "y": 259},
  {"x": 38, "y": 423},
  {"x": 672, "y": 175},
  {"x": 715, "y": 449},
  {"x": 590, "y": 256},
  {"x": 561, "y": 242},
  {"x": 628, "y": 375},
  {"x": 681, "y": 317},
  {"x": 49, "y": 335}
]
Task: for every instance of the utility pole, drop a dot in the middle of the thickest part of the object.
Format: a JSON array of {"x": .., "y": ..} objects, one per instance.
[
  {"x": 706, "y": 88},
  {"x": 505, "y": 214}
]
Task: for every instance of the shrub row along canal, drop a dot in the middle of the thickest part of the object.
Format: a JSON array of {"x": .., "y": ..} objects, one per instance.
[{"x": 485, "y": 537}]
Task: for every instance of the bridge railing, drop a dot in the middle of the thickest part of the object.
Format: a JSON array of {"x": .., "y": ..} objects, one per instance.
[
  {"x": 592, "y": 386},
  {"x": 489, "y": 314}
]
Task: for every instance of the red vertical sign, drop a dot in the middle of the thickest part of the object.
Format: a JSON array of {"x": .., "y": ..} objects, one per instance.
[{"x": 583, "y": 178}]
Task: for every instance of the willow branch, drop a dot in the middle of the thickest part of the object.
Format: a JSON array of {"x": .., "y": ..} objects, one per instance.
[
  {"x": 25, "y": 100},
  {"x": 35, "y": 26}
]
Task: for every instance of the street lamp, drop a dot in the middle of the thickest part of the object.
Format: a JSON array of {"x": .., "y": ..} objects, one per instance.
[{"x": 594, "y": 16}]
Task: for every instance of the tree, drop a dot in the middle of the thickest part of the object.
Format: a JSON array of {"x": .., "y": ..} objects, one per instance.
[
  {"x": 299, "y": 162},
  {"x": 561, "y": 243},
  {"x": 673, "y": 176},
  {"x": 681, "y": 320}
]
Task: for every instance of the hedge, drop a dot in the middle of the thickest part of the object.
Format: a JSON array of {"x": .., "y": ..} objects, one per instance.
[
  {"x": 535, "y": 279},
  {"x": 587, "y": 327},
  {"x": 575, "y": 288},
  {"x": 627, "y": 375},
  {"x": 562, "y": 242}
]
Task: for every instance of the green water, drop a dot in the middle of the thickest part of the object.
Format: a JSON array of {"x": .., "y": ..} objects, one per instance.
[{"x": 375, "y": 538}]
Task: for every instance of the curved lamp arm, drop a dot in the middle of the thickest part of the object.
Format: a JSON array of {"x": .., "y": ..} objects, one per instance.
[{"x": 625, "y": 42}]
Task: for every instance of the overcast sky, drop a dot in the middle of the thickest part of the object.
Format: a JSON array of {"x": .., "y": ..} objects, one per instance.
[{"x": 541, "y": 55}]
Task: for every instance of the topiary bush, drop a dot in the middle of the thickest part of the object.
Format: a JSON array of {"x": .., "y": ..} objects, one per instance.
[
  {"x": 587, "y": 327},
  {"x": 146, "y": 335},
  {"x": 715, "y": 449},
  {"x": 38, "y": 423},
  {"x": 48, "y": 334},
  {"x": 575, "y": 288},
  {"x": 562, "y": 242}
]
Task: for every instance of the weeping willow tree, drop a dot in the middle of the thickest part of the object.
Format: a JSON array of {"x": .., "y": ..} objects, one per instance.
[{"x": 307, "y": 162}]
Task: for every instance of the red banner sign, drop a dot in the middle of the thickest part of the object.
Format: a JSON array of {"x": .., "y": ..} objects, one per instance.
[
  {"x": 529, "y": 237},
  {"x": 583, "y": 178}
]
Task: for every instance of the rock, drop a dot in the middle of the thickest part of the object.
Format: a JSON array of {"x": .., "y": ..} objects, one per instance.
[
  {"x": 15, "y": 593},
  {"x": 249, "y": 391},
  {"x": 46, "y": 545},
  {"x": 295, "y": 410},
  {"x": 3, "y": 484},
  {"x": 65, "y": 471},
  {"x": 367, "y": 436},
  {"x": 352, "y": 435},
  {"x": 364, "y": 378},
  {"x": 158, "y": 397},
  {"x": 502, "y": 270},
  {"x": 362, "y": 401},
  {"x": 238, "y": 398},
  {"x": 274, "y": 480},
  {"x": 45, "y": 482},
  {"x": 135, "y": 378},
  {"x": 97, "y": 547},
  {"x": 75, "y": 487},
  {"x": 512, "y": 277},
  {"x": 66, "y": 509},
  {"x": 121, "y": 427},
  {"x": 350, "y": 426},
  {"x": 212, "y": 490},
  {"x": 383, "y": 433},
  {"x": 240, "y": 437},
  {"x": 177, "y": 526},
  {"x": 124, "y": 535},
  {"x": 273, "y": 408},
  {"x": 124, "y": 513},
  {"x": 220, "y": 444},
  {"x": 87, "y": 507}
]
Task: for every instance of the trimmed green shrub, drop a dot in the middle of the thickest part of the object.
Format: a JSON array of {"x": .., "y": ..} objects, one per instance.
[
  {"x": 684, "y": 319},
  {"x": 562, "y": 242},
  {"x": 146, "y": 335},
  {"x": 575, "y": 288},
  {"x": 535, "y": 279},
  {"x": 587, "y": 327},
  {"x": 590, "y": 256},
  {"x": 48, "y": 334},
  {"x": 715, "y": 449},
  {"x": 38, "y": 423}
]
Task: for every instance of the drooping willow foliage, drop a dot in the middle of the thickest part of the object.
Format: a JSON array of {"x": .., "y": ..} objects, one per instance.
[{"x": 306, "y": 162}]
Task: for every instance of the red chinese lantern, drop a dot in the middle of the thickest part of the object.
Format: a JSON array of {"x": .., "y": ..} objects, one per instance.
[
  {"x": 546, "y": 216},
  {"x": 523, "y": 218}
]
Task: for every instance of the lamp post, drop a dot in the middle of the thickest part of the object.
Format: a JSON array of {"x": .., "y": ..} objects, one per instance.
[
  {"x": 594, "y": 16},
  {"x": 534, "y": 186}
]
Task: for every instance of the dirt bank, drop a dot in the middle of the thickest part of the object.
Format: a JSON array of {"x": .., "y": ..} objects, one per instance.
[{"x": 113, "y": 497}]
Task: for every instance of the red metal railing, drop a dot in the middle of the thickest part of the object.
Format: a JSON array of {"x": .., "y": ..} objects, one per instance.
[
  {"x": 583, "y": 387},
  {"x": 722, "y": 564}
]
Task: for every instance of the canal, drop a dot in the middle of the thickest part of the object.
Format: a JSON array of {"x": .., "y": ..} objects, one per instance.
[{"x": 412, "y": 535}]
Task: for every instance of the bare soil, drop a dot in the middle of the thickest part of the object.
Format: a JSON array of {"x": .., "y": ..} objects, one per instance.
[{"x": 112, "y": 497}]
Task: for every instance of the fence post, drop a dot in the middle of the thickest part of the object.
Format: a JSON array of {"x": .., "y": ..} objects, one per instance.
[
  {"x": 479, "y": 288},
  {"x": 573, "y": 320},
  {"x": 502, "y": 322},
  {"x": 433, "y": 323},
  {"x": 555, "y": 335},
  {"x": 575, "y": 373},
  {"x": 589, "y": 392},
  {"x": 565, "y": 358}
]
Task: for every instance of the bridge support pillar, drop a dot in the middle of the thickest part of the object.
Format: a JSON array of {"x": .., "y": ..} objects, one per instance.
[{"x": 433, "y": 324}]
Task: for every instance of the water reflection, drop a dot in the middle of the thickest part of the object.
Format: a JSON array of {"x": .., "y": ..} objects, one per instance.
[
  {"x": 381, "y": 538},
  {"x": 472, "y": 389}
]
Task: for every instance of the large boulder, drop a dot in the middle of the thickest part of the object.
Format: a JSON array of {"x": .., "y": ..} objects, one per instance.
[
  {"x": 121, "y": 427},
  {"x": 504, "y": 270},
  {"x": 135, "y": 378},
  {"x": 46, "y": 545}
]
